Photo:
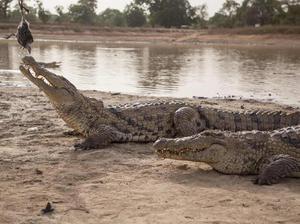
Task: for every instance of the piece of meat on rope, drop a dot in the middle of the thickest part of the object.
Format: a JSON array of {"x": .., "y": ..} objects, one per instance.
[{"x": 23, "y": 35}]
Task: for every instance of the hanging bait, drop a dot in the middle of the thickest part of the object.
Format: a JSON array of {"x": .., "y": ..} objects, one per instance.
[{"x": 23, "y": 34}]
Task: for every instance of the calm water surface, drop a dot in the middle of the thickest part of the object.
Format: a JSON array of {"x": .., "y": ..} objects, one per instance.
[{"x": 268, "y": 73}]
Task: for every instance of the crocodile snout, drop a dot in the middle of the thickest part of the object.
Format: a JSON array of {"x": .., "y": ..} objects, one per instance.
[{"x": 160, "y": 143}]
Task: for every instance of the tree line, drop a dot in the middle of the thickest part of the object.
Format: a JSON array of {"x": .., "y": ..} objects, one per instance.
[{"x": 163, "y": 13}]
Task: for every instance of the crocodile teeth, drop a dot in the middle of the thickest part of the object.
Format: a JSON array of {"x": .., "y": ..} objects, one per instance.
[
  {"x": 31, "y": 71},
  {"x": 46, "y": 81},
  {"x": 34, "y": 74}
]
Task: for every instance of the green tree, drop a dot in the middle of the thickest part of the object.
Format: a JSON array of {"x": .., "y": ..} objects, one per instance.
[
  {"x": 229, "y": 8},
  {"x": 83, "y": 11},
  {"x": 135, "y": 15},
  {"x": 267, "y": 11},
  {"x": 92, "y": 4},
  {"x": 261, "y": 12},
  {"x": 175, "y": 13},
  {"x": 251, "y": 12},
  {"x": 4, "y": 8},
  {"x": 112, "y": 17},
  {"x": 219, "y": 20},
  {"x": 241, "y": 14},
  {"x": 292, "y": 12},
  {"x": 200, "y": 15},
  {"x": 228, "y": 12},
  {"x": 43, "y": 14},
  {"x": 61, "y": 16},
  {"x": 168, "y": 13}
]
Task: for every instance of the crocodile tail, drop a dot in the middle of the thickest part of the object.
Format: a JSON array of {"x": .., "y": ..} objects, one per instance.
[
  {"x": 217, "y": 119},
  {"x": 248, "y": 120}
]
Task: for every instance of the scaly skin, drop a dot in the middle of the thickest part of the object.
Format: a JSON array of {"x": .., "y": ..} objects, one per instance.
[
  {"x": 140, "y": 122},
  {"x": 271, "y": 155}
]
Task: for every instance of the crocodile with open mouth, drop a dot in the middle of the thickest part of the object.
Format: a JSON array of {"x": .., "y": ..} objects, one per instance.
[
  {"x": 270, "y": 154},
  {"x": 141, "y": 122}
]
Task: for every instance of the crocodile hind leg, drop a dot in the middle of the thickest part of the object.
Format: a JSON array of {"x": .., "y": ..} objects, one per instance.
[
  {"x": 276, "y": 168},
  {"x": 104, "y": 136},
  {"x": 71, "y": 133},
  {"x": 188, "y": 122}
]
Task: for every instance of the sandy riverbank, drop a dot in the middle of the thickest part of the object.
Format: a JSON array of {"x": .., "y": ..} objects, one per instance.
[
  {"x": 284, "y": 36},
  {"x": 121, "y": 184}
]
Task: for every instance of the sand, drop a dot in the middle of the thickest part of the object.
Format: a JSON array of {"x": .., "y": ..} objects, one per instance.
[
  {"x": 123, "y": 183},
  {"x": 277, "y": 36}
]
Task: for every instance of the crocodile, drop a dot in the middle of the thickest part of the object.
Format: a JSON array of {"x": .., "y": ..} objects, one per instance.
[
  {"x": 271, "y": 155},
  {"x": 141, "y": 121}
]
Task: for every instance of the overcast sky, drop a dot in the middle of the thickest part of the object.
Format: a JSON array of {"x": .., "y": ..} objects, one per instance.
[{"x": 213, "y": 5}]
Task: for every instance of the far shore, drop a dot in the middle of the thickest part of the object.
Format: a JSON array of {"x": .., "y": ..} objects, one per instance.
[{"x": 284, "y": 36}]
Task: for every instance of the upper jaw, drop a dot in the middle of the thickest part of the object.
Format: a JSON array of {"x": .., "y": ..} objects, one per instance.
[
  {"x": 35, "y": 78},
  {"x": 170, "y": 151},
  {"x": 195, "y": 142},
  {"x": 175, "y": 147},
  {"x": 32, "y": 70},
  {"x": 30, "y": 62}
]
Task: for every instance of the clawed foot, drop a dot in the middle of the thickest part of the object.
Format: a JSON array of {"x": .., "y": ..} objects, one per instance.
[
  {"x": 71, "y": 133},
  {"x": 89, "y": 144},
  {"x": 85, "y": 146},
  {"x": 275, "y": 168},
  {"x": 81, "y": 146},
  {"x": 264, "y": 181}
]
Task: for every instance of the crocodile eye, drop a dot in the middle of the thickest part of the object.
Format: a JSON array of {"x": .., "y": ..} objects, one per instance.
[
  {"x": 207, "y": 133},
  {"x": 214, "y": 134},
  {"x": 284, "y": 135},
  {"x": 218, "y": 135}
]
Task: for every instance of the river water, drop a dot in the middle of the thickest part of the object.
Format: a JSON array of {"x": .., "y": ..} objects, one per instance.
[{"x": 268, "y": 73}]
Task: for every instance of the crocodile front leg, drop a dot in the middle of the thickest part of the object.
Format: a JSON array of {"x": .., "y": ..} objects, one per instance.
[
  {"x": 104, "y": 136},
  {"x": 187, "y": 122},
  {"x": 72, "y": 133},
  {"x": 276, "y": 168}
]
